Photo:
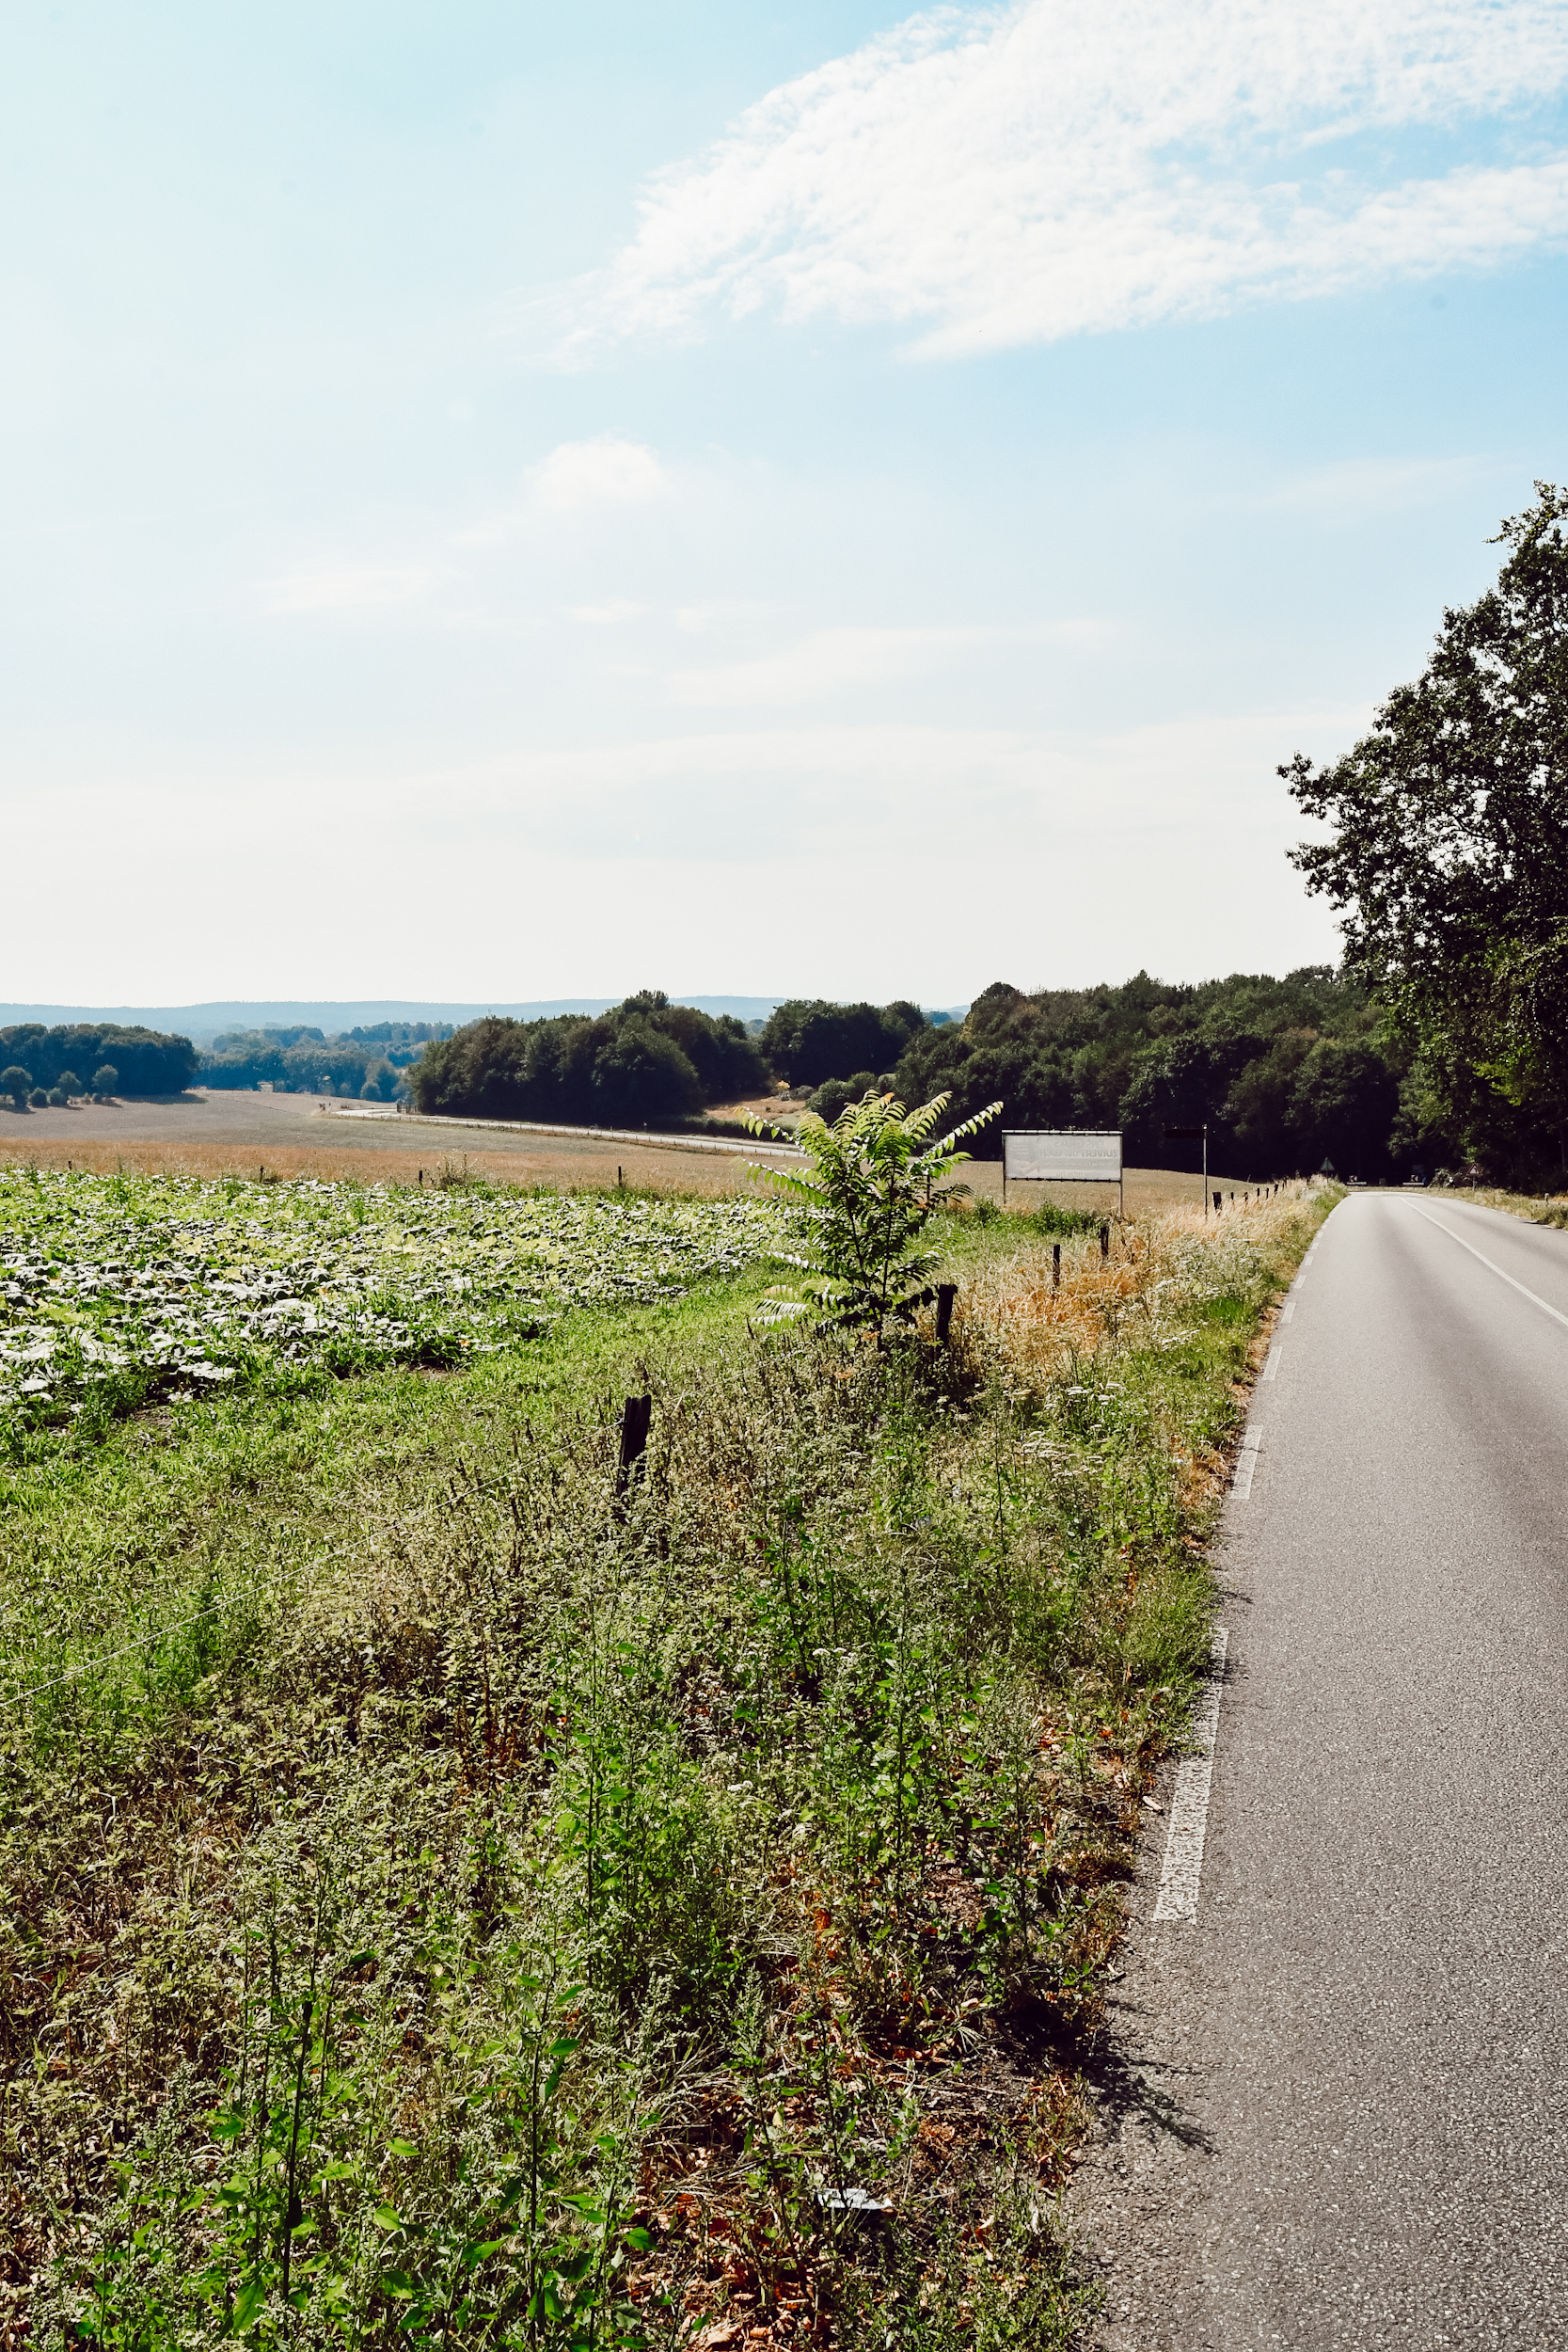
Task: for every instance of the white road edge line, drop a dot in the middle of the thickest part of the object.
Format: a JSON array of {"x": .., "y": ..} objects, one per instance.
[
  {"x": 1183, "y": 1873},
  {"x": 1288, "y": 1311},
  {"x": 1487, "y": 1262},
  {"x": 1271, "y": 1363}
]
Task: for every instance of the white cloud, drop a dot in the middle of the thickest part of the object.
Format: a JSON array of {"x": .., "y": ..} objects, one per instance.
[
  {"x": 605, "y": 615},
  {"x": 607, "y": 472},
  {"x": 1014, "y": 174},
  {"x": 348, "y": 587},
  {"x": 833, "y": 661}
]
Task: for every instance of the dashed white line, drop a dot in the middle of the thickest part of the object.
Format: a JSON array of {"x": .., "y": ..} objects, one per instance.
[
  {"x": 1287, "y": 1311},
  {"x": 1183, "y": 1873},
  {"x": 1271, "y": 1364},
  {"x": 1246, "y": 1462}
]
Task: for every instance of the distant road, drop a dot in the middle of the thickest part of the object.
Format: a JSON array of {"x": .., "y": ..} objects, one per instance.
[
  {"x": 641, "y": 1137},
  {"x": 1339, "y": 2115}
]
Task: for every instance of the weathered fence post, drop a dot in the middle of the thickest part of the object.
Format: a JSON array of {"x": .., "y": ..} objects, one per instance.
[
  {"x": 1105, "y": 1241},
  {"x": 1055, "y": 1265},
  {"x": 946, "y": 1293},
  {"x": 636, "y": 1414}
]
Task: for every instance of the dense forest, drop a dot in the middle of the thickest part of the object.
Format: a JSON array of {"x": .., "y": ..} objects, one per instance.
[
  {"x": 645, "y": 1062},
  {"x": 1286, "y": 1074},
  {"x": 140, "y": 1061}
]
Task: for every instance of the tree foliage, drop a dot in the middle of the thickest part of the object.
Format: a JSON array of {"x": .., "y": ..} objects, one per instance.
[
  {"x": 1449, "y": 855},
  {"x": 809, "y": 1040},
  {"x": 646, "y": 1062},
  {"x": 876, "y": 1176},
  {"x": 303, "y": 1060},
  {"x": 1283, "y": 1073},
  {"x": 147, "y": 1061}
]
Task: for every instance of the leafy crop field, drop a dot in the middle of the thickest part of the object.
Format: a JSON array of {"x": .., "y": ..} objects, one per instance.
[
  {"x": 449, "y": 1899},
  {"x": 115, "y": 1289}
]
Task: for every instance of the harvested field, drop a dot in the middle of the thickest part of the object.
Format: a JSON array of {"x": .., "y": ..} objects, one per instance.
[{"x": 234, "y": 1135}]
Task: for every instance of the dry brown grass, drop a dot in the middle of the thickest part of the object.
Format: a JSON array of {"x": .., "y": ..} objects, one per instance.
[
  {"x": 1042, "y": 1327},
  {"x": 557, "y": 1162},
  {"x": 569, "y": 1169}
]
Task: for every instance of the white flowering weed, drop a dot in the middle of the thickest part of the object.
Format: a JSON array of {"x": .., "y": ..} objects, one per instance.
[{"x": 179, "y": 1285}]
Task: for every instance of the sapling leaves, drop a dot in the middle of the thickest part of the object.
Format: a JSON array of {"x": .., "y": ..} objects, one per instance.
[{"x": 876, "y": 1176}]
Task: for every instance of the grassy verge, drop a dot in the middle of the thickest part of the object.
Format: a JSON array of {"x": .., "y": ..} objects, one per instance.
[
  {"x": 1536, "y": 1208},
  {"x": 489, "y": 1908}
]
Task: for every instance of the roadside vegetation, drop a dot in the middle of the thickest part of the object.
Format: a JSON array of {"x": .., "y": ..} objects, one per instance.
[
  {"x": 1535, "y": 1208},
  {"x": 466, "y": 1881}
]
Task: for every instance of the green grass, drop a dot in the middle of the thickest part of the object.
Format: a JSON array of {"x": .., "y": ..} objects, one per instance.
[
  {"x": 512, "y": 1914},
  {"x": 238, "y": 1504}
]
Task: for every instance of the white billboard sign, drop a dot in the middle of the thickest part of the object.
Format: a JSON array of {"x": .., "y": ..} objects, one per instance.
[{"x": 1083, "y": 1155}]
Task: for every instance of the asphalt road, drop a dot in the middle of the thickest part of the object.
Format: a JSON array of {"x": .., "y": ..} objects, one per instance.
[{"x": 1338, "y": 2112}]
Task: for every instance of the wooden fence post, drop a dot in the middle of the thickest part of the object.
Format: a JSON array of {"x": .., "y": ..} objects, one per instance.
[
  {"x": 636, "y": 1414},
  {"x": 946, "y": 1293}
]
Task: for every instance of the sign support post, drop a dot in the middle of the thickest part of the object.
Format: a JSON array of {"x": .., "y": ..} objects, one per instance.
[{"x": 1191, "y": 1134}]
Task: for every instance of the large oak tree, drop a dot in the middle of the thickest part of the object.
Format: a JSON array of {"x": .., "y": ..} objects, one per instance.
[{"x": 1449, "y": 846}]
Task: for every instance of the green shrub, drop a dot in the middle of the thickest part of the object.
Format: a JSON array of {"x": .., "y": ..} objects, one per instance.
[{"x": 872, "y": 1185}]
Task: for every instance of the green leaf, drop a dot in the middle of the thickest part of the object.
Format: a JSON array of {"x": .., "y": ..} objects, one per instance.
[{"x": 248, "y": 2302}]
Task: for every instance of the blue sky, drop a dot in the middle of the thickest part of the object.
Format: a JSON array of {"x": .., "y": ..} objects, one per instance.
[{"x": 508, "y": 502}]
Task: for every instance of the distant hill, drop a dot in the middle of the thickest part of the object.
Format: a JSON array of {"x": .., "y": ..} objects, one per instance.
[{"x": 202, "y": 1023}]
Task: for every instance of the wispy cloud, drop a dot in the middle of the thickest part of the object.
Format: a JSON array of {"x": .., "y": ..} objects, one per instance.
[
  {"x": 1014, "y": 174},
  {"x": 608, "y": 471},
  {"x": 836, "y": 660},
  {"x": 348, "y": 587}
]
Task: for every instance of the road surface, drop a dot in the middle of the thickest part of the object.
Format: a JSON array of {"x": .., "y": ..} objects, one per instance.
[{"x": 1337, "y": 2112}]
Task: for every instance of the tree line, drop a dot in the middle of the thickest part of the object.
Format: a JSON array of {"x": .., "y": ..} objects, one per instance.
[
  {"x": 367, "y": 1062},
  {"x": 1285, "y": 1073},
  {"x": 85, "y": 1056},
  {"x": 646, "y": 1062}
]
